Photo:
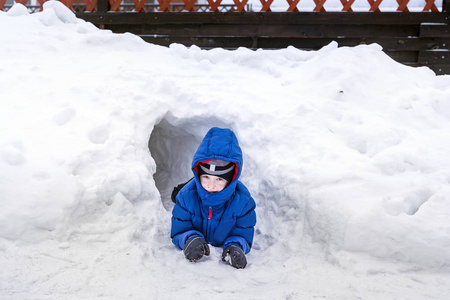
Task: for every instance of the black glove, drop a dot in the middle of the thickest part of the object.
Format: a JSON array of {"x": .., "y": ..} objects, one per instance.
[
  {"x": 234, "y": 255},
  {"x": 195, "y": 248}
]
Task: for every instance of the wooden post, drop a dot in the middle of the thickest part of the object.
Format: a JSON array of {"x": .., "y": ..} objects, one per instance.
[
  {"x": 374, "y": 4},
  {"x": 164, "y": 5},
  {"x": 189, "y": 5},
  {"x": 266, "y": 5},
  {"x": 240, "y": 5},
  {"x": 347, "y": 5},
  {"x": 214, "y": 5},
  {"x": 446, "y": 10},
  {"x": 293, "y": 5},
  {"x": 403, "y": 5},
  {"x": 90, "y": 5},
  {"x": 2, "y": 3},
  {"x": 102, "y": 6},
  {"x": 319, "y": 5}
]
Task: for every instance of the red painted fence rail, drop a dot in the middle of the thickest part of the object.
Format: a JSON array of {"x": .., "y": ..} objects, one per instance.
[{"x": 240, "y": 5}]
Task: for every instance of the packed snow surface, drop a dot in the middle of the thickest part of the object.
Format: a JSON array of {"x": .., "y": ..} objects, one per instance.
[{"x": 346, "y": 153}]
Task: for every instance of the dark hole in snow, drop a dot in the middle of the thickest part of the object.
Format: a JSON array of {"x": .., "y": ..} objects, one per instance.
[{"x": 172, "y": 145}]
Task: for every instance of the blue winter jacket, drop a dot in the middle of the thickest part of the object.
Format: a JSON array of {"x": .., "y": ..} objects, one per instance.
[{"x": 223, "y": 218}]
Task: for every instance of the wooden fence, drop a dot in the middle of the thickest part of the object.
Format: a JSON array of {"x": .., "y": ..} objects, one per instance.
[
  {"x": 412, "y": 38},
  {"x": 214, "y": 5}
]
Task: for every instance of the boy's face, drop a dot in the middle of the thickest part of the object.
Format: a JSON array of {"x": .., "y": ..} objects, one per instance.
[{"x": 212, "y": 184}]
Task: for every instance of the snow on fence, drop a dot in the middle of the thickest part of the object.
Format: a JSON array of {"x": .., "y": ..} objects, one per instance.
[{"x": 236, "y": 5}]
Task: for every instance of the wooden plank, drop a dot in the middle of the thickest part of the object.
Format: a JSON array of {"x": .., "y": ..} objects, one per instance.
[
  {"x": 440, "y": 69},
  {"x": 434, "y": 30},
  {"x": 440, "y": 56},
  {"x": 446, "y": 7},
  {"x": 267, "y": 18},
  {"x": 402, "y": 56},
  {"x": 102, "y": 6},
  {"x": 217, "y": 30},
  {"x": 202, "y": 42}
]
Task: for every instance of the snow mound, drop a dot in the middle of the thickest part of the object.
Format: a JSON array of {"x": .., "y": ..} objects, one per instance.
[
  {"x": 17, "y": 9},
  {"x": 56, "y": 10},
  {"x": 345, "y": 153}
]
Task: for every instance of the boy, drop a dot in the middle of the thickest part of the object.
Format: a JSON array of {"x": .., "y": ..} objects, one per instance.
[{"x": 215, "y": 207}]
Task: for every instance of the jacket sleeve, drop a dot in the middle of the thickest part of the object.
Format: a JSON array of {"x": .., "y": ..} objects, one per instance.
[
  {"x": 242, "y": 233},
  {"x": 182, "y": 227}
]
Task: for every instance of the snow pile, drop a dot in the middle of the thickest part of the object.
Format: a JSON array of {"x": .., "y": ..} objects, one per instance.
[{"x": 345, "y": 153}]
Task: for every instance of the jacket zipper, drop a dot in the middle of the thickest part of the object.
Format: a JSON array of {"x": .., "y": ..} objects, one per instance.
[{"x": 209, "y": 223}]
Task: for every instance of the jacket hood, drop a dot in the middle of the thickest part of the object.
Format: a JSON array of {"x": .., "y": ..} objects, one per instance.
[{"x": 218, "y": 143}]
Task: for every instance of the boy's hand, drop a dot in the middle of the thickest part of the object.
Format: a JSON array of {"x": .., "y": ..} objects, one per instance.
[
  {"x": 195, "y": 248},
  {"x": 234, "y": 255}
]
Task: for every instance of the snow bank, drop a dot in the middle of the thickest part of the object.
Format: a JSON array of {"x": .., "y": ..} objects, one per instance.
[{"x": 345, "y": 153}]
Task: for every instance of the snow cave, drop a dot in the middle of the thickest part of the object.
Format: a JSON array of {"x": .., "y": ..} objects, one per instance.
[{"x": 172, "y": 145}]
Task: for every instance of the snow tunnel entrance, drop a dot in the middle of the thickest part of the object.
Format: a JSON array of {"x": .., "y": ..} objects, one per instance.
[{"x": 172, "y": 144}]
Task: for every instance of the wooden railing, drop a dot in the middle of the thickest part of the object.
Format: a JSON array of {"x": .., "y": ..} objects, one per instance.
[{"x": 215, "y": 5}]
